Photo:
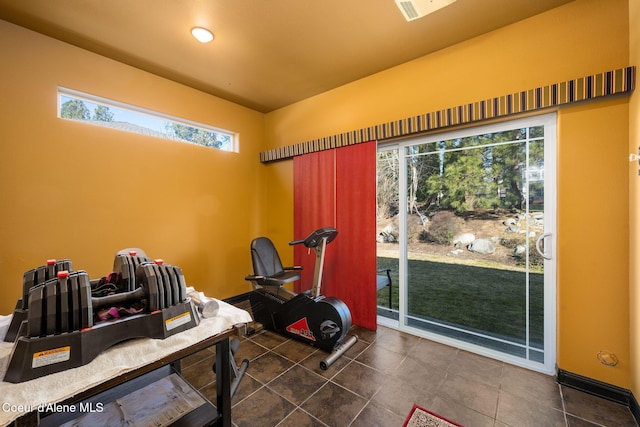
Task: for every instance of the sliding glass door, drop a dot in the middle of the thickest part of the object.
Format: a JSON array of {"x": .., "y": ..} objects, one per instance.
[{"x": 468, "y": 233}]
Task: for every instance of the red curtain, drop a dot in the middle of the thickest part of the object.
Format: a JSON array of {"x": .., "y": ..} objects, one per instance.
[
  {"x": 314, "y": 207},
  {"x": 337, "y": 188}
]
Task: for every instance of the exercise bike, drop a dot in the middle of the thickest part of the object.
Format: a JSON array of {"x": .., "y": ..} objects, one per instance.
[{"x": 309, "y": 317}]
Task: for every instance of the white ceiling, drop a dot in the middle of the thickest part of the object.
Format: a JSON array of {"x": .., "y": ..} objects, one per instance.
[{"x": 266, "y": 53}]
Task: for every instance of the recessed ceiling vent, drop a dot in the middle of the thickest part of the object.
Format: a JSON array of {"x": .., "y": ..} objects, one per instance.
[{"x": 414, "y": 9}]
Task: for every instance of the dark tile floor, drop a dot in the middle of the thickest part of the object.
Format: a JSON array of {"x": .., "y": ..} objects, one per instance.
[{"x": 379, "y": 379}]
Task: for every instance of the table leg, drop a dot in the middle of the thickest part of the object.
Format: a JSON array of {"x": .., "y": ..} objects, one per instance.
[{"x": 223, "y": 383}]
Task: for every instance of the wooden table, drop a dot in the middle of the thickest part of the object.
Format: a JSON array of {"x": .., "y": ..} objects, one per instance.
[
  {"x": 119, "y": 369},
  {"x": 114, "y": 388}
]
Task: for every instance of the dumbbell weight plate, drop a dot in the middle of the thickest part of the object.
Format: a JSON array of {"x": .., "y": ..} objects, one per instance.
[
  {"x": 40, "y": 275},
  {"x": 182, "y": 285},
  {"x": 51, "y": 306},
  {"x": 126, "y": 264},
  {"x": 29, "y": 280},
  {"x": 151, "y": 276},
  {"x": 84, "y": 288},
  {"x": 65, "y": 311},
  {"x": 165, "y": 283},
  {"x": 34, "y": 316},
  {"x": 42, "y": 317},
  {"x": 75, "y": 309},
  {"x": 173, "y": 284},
  {"x": 180, "y": 292},
  {"x": 179, "y": 286},
  {"x": 146, "y": 277},
  {"x": 158, "y": 282},
  {"x": 63, "y": 304},
  {"x": 167, "y": 280}
]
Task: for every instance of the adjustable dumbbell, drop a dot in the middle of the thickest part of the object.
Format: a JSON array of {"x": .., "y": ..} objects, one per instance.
[
  {"x": 126, "y": 262},
  {"x": 40, "y": 275},
  {"x": 31, "y": 278},
  {"x": 65, "y": 304}
]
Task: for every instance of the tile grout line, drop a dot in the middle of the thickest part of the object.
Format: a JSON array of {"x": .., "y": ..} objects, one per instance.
[{"x": 564, "y": 407}]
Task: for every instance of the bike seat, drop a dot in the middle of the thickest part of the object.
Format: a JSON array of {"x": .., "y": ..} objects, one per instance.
[{"x": 267, "y": 266}]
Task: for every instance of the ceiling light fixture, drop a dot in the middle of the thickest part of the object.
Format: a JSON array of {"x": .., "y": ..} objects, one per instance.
[
  {"x": 414, "y": 9},
  {"x": 202, "y": 34}
]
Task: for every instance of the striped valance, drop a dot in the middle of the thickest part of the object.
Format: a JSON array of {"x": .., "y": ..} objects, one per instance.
[{"x": 567, "y": 92}]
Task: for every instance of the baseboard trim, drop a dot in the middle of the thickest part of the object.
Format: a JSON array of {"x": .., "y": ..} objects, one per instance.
[
  {"x": 598, "y": 388},
  {"x": 634, "y": 408}
]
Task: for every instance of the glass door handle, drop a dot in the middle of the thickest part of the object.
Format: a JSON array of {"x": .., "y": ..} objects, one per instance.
[{"x": 539, "y": 241}]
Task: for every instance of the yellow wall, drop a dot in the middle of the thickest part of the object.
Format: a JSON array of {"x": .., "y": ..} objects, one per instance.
[
  {"x": 592, "y": 259},
  {"x": 578, "y": 39},
  {"x": 634, "y": 203},
  {"x": 75, "y": 191},
  {"x": 72, "y": 190}
]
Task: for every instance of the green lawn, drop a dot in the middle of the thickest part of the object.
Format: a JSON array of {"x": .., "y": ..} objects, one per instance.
[{"x": 491, "y": 300}]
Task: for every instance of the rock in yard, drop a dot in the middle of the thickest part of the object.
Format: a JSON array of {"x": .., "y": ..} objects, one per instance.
[
  {"x": 384, "y": 237},
  {"x": 387, "y": 235},
  {"x": 482, "y": 246},
  {"x": 509, "y": 221},
  {"x": 463, "y": 239}
]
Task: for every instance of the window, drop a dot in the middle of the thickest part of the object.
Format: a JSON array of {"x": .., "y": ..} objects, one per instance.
[
  {"x": 74, "y": 105},
  {"x": 466, "y": 224}
]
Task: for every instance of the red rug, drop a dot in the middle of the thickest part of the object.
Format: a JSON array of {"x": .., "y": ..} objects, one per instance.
[{"x": 420, "y": 417}]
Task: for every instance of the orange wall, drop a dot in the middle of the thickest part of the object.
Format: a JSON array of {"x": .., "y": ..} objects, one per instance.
[
  {"x": 75, "y": 191},
  {"x": 580, "y": 38},
  {"x": 593, "y": 218},
  {"x": 634, "y": 202},
  {"x": 72, "y": 190}
]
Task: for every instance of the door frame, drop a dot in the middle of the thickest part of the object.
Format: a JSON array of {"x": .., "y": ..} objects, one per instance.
[{"x": 549, "y": 121}]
